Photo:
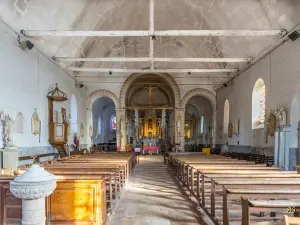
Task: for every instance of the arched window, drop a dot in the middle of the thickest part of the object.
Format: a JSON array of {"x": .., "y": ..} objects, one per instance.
[
  {"x": 113, "y": 123},
  {"x": 202, "y": 125},
  {"x": 73, "y": 115},
  {"x": 226, "y": 116},
  {"x": 258, "y": 104}
]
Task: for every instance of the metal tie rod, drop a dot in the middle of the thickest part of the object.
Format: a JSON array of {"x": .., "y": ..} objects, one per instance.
[{"x": 147, "y": 33}]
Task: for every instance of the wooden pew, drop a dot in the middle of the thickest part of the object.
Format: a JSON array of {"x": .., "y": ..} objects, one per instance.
[
  {"x": 241, "y": 176},
  {"x": 111, "y": 179},
  {"x": 90, "y": 169},
  {"x": 266, "y": 184},
  {"x": 284, "y": 206},
  {"x": 77, "y": 201},
  {"x": 189, "y": 177},
  {"x": 235, "y": 194}
]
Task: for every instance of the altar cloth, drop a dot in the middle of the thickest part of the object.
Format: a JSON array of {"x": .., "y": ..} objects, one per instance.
[{"x": 151, "y": 148}]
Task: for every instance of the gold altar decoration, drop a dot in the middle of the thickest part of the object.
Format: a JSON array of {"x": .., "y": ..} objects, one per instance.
[
  {"x": 35, "y": 123},
  {"x": 272, "y": 122},
  {"x": 230, "y": 130},
  {"x": 81, "y": 130},
  {"x": 187, "y": 132},
  {"x": 150, "y": 124}
]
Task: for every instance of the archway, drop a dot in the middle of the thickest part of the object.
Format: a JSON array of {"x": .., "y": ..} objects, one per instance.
[
  {"x": 198, "y": 123},
  {"x": 104, "y": 131},
  {"x": 169, "y": 80},
  {"x": 102, "y": 93},
  {"x": 147, "y": 103},
  {"x": 207, "y": 100}
]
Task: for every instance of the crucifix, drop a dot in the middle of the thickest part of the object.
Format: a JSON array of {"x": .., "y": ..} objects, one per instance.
[{"x": 150, "y": 93}]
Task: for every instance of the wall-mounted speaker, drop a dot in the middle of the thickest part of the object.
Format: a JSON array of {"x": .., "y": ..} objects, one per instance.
[
  {"x": 295, "y": 35},
  {"x": 79, "y": 85}
]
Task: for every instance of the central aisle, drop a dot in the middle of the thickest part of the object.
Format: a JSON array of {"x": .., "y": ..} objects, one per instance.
[{"x": 153, "y": 197}]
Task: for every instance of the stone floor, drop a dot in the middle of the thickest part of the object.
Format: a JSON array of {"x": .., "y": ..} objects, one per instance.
[{"x": 154, "y": 197}]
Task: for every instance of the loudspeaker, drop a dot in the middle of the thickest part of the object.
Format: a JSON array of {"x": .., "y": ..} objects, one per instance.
[
  {"x": 295, "y": 35},
  {"x": 78, "y": 85}
]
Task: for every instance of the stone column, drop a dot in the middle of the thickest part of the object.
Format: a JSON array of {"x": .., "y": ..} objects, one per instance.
[
  {"x": 179, "y": 134},
  {"x": 214, "y": 123},
  {"x": 281, "y": 147},
  {"x": 33, "y": 187},
  {"x": 121, "y": 128}
]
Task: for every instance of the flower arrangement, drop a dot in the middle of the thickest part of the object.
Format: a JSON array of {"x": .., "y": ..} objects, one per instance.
[{"x": 119, "y": 148}]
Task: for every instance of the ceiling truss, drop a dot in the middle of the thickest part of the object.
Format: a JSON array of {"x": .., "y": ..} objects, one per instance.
[{"x": 152, "y": 34}]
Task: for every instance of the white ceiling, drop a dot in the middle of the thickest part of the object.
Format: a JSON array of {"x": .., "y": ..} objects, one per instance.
[{"x": 169, "y": 15}]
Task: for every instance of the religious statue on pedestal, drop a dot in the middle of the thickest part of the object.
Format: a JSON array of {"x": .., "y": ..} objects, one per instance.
[
  {"x": 9, "y": 131},
  {"x": 271, "y": 124},
  {"x": 76, "y": 142}
]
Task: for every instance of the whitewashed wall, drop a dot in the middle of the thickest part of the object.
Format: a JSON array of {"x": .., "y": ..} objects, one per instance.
[
  {"x": 26, "y": 78},
  {"x": 280, "y": 71}
]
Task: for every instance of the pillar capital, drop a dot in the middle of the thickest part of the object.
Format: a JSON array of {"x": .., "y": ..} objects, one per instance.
[
  {"x": 179, "y": 110},
  {"x": 284, "y": 128},
  {"x": 119, "y": 110}
]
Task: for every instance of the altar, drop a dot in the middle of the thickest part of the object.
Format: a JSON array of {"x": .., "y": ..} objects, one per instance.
[{"x": 150, "y": 146}]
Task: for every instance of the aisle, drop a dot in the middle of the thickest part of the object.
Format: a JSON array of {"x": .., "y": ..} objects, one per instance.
[{"x": 153, "y": 197}]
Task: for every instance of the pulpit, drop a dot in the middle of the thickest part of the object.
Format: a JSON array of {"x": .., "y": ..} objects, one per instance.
[{"x": 58, "y": 129}]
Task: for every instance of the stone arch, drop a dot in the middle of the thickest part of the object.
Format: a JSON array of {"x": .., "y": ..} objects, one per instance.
[
  {"x": 200, "y": 92},
  {"x": 167, "y": 77},
  {"x": 103, "y": 93}
]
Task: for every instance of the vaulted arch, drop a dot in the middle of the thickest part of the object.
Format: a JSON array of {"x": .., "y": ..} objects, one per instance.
[
  {"x": 200, "y": 92},
  {"x": 103, "y": 93},
  {"x": 132, "y": 77}
]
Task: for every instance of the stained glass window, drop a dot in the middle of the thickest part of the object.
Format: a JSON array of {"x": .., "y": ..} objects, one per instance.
[
  {"x": 258, "y": 104},
  {"x": 114, "y": 123},
  {"x": 99, "y": 126},
  {"x": 262, "y": 104}
]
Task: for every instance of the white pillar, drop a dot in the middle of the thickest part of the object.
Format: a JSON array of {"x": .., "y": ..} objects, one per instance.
[
  {"x": 121, "y": 128},
  {"x": 179, "y": 134},
  {"x": 281, "y": 148},
  {"x": 33, "y": 187},
  {"x": 214, "y": 122}
]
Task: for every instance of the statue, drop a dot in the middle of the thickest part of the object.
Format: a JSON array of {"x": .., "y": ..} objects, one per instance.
[
  {"x": 76, "y": 142},
  {"x": 178, "y": 124},
  {"x": 9, "y": 131}
]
